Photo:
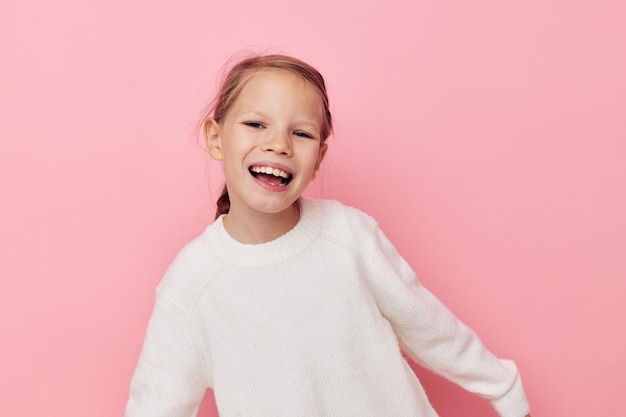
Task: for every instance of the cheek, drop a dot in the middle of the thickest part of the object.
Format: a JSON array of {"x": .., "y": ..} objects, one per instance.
[
  {"x": 314, "y": 158},
  {"x": 230, "y": 147}
]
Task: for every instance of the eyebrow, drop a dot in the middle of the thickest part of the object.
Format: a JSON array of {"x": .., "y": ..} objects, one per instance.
[
  {"x": 256, "y": 113},
  {"x": 248, "y": 113}
]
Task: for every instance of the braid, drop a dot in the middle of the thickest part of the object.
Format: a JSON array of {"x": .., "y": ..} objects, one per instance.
[{"x": 223, "y": 203}]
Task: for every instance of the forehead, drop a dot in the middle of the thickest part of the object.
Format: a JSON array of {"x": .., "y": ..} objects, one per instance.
[{"x": 276, "y": 85}]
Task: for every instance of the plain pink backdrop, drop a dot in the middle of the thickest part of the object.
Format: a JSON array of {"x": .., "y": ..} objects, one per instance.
[{"x": 488, "y": 138}]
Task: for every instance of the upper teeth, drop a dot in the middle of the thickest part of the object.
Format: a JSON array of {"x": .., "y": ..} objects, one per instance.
[{"x": 269, "y": 170}]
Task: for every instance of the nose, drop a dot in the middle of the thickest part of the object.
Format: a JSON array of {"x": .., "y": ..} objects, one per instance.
[{"x": 278, "y": 142}]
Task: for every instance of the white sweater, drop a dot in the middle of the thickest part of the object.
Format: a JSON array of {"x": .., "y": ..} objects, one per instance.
[{"x": 310, "y": 324}]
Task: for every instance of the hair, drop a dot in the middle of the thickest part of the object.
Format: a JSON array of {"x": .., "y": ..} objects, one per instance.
[{"x": 234, "y": 82}]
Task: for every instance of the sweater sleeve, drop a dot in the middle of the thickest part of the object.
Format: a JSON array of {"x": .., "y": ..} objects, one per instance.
[
  {"x": 434, "y": 338},
  {"x": 170, "y": 377}
]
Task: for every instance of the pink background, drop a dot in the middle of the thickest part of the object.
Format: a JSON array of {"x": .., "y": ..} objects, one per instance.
[{"x": 487, "y": 137}]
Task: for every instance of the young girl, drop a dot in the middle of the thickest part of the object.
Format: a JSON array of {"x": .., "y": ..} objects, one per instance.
[{"x": 287, "y": 306}]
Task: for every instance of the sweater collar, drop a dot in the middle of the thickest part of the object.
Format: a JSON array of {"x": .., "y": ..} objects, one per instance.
[{"x": 278, "y": 250}]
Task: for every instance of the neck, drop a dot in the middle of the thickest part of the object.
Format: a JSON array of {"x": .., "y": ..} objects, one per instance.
[{"x": 256, "y": 227}]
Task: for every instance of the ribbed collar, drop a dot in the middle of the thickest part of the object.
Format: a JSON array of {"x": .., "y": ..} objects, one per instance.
[{"x": 276, "y": 251}]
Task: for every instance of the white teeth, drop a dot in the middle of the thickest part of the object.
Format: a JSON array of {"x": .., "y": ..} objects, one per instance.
[{"x": 269, "y": 170}]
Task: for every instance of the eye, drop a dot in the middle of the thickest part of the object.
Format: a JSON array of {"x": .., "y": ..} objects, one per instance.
[
  {"x": 254, "y": 125},
  {"x": 303, "y": 134}
]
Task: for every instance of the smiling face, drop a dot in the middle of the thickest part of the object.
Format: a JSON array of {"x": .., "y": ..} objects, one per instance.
[{"x": 269, "y": 143}]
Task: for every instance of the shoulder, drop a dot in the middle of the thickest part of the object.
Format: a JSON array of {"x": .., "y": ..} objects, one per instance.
[
  {"x": 352, "y": 227},
  {"x": 191, "y": 271},
  {"x": 344, "y": 223}
]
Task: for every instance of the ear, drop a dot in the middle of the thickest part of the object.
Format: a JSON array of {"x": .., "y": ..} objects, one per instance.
[
  {"x": 320, "y": 158},
  {"x": 213, "y": 139}
]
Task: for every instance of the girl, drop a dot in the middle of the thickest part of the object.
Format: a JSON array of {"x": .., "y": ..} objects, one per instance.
[{"x": 287, "y": 306}]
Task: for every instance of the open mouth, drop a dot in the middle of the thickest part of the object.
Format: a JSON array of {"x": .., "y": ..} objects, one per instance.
[{"x": 271, "y": 176}]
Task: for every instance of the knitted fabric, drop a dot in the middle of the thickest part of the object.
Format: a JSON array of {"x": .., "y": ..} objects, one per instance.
[{"x": 310, "y": 324}]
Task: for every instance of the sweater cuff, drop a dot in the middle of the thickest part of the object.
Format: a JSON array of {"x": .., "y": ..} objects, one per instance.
[{"x": 513, "y": 403}]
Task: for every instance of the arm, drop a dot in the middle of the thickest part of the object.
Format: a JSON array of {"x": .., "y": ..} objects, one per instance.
[
  {"x": 433, "y": 337},
  {"x": 170, "y": 377}
]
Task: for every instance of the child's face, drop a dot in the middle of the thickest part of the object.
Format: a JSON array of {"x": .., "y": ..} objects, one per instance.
[{"x": 269, "y": 142}]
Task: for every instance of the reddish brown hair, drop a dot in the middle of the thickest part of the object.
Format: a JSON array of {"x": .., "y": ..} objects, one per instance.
[{"x": 237, "y": 77}]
